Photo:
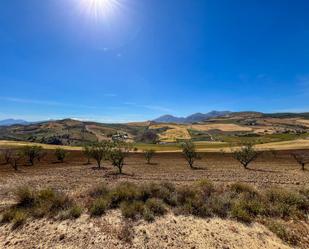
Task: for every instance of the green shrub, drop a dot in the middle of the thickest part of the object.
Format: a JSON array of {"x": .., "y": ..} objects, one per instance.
[
  {"x": 19, "y": 219},
  {"x": 60, "y": 202},
  {"x": 45, "y": 202},
  {"x": 133, "y": 209},
  {"x": 203, "y": 211},
  {"x": 206, "y": 187},
  {"x": 280, "y": 230},
  {"x": 75, "y": 212},
  {"x": 99, "y": 207},
  {"x": 148, "y": 215},
  {"x": 186, "y": 195},
  {"x": 25, "y": 197},
  {"x": 47, "y": 194},
  {"x": 7, "y": 216},
  {"x": 100, "y": 191},
  {"x": 124, "y": 192},
  {"x": 283, "y": 203},
  {"x": 241, "y": 214},
  {"x": 156, "y": 206},
  {"x": 164, "y": 191},
  {"x": 219, "y": 205},
  {"x": 240, "y": 188}
]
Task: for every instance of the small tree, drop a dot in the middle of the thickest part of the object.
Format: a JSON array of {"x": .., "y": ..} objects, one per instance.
[
  {"x": 87, "y": 153},
  {"x": 100, "y": 151},
  {"x": 60, "y": 154},
  {"x": 149, "y": 155},
  {"x": 41, "y": 155},
  {"x": 32, "y": 153},
  {"x": 6, "y": 155},
  {"x": 15, "y": 159},
  {"x": 246, "y": 154},
  {"x": 118, "y": 155},
  {"x": 189, "y": 152},
  {"x": 302, "y": 158}
]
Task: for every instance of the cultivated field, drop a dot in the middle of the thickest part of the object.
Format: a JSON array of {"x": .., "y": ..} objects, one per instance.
[{"x": 75, "y": 178}]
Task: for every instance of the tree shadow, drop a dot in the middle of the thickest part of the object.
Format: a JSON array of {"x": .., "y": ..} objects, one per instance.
[
  {"x": 263, "y": 170},
  {"x": 152, "y": 164},
  {"x": 198, "y": 168},
  {"x": 118, "y": 174},
  {"x": 57, "y": 162},
  {"x": 97, "y": 168}
]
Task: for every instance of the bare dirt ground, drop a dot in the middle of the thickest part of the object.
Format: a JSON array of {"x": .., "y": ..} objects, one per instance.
[
  {"x": 75, "y": 177},
  {"x": 112, "y": 232}
]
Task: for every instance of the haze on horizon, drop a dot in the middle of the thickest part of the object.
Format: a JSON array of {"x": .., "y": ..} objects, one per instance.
[{"x": 134, "y": 60}]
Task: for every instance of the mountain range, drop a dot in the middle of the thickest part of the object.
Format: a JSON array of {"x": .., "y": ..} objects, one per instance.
[
  {"x": 8, "y": 122},
  {"x": 194, "y": 118}
]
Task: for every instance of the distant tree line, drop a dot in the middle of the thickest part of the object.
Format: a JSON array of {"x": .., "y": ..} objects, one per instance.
[{"x": 117, "y": 151}]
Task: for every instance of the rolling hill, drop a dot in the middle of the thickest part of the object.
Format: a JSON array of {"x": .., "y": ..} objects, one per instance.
[{"x": 228, "y": 127}]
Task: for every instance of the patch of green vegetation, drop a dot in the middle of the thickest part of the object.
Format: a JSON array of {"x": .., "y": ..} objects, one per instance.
[
  {"x": 282, "y": 232},
  {"x": 238, "y": 201},
  {"x": 38, "y": 204},
  {"x": 175, "y": 146},
  {"x": 199, "y": 135},
  {"x": 243, "y": 138}
]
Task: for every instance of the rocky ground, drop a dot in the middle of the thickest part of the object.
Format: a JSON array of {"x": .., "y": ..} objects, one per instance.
[{"x": 111, "y": 231}]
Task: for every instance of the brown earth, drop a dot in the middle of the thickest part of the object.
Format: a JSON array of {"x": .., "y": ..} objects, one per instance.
[
  {"x": 75, "y": 177},
  {"x": 112, "y": 232}
]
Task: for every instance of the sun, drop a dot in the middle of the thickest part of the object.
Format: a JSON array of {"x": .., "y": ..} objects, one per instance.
[{"x": 100, "y": 8}]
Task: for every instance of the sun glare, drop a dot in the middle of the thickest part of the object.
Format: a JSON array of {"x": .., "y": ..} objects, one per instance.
[{"x": 100, "y": 8}]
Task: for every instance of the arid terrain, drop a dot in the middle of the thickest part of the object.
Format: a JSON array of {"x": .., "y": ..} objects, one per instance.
[
  {"x": 74, "y": 177},
  {"x": 232, "y": 128},
  {"x": 236, "y": 222}
]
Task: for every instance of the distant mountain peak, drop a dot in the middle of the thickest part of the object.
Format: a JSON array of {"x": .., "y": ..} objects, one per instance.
[
  {"x": 193, "y": 118},
  {"x": 11, "y": 121}
]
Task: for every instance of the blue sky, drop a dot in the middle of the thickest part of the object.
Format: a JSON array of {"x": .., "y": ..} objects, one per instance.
[{"x": 138, "y": 59}]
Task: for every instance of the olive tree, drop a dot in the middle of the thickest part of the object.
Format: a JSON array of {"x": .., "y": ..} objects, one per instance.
[
  {"x": 6, "y": 155},
  {"x": 87, "y": 153},
  {"x": 190, "y": 153},
  {"x": 246, "y": 154},
  {"x": 60, "y": 154},
  {"x": 149, "y": 155},
  {"x": 302, "y": 158},
  {"x": 15, "y": 158},
  {"x": 32, "y": 153},
  {"x": 118, "y": 154},
  {"x": 100, "y": 151}
]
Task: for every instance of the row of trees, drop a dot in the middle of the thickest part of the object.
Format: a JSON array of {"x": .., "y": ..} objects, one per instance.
[
  {"x": 30, "y": 154},
  {"x": 245, "y": 155},
  {"x": 116, "y": 152}
]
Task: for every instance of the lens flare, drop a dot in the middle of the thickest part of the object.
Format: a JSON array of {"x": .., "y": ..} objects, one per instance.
[{"x": 100, "y": 8}]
